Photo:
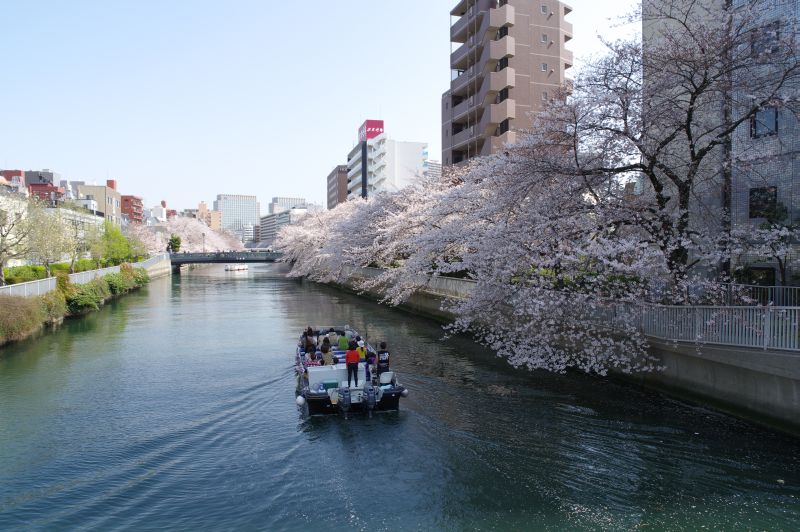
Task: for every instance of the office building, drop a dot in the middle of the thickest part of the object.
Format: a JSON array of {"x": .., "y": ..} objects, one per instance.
[
  {"x": 510, "y": 58},
  {"x": 283, "y": 204},
  {"x": 271, "y": 223},
  {"x": 238, "y": 212},
  {"x": 337, "y": 186}
]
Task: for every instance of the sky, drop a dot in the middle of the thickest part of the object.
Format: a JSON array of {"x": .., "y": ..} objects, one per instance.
[{"x": 186, "y": 99}]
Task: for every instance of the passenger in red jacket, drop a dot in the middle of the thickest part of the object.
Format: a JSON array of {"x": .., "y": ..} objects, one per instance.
[{"x": 352, "y": 357}]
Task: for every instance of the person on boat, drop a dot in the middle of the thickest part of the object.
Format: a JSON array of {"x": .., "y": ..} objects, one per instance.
[
  {"x": 351, "y": 358},
  {"x": 383, "y": 358},
  {"x": 343, "y": 343},
  {"x": 362, "y": 351},
  {"x": 333, "y": 338},
  {"x": 312, "y": 359},
  {"x": 327, "y": 357},
  {"x": 325, "y": 341},
  {"x": 370, "y": 364}
]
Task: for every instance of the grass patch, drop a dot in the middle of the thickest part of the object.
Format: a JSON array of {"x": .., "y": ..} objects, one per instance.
[{"x": 20, "y": 316}]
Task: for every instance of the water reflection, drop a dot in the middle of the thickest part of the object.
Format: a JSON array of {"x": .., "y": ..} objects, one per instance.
[{"x": 174, "y": 408}]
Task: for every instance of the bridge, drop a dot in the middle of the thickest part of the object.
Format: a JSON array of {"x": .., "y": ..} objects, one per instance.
[{"x": 224, "y": 257}]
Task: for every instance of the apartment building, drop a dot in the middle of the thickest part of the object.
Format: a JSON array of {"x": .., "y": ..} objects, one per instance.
[
  {"x": 109, "y": 201},
  {"x": 337, "y": 186},
  {"x": 509, "y": 57},
  {"x": 133, "y": 208}
]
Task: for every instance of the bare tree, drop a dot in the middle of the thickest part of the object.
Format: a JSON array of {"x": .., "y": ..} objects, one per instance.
[{"x": 15, "y": 230}]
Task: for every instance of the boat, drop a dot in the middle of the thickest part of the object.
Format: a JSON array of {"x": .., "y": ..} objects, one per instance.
[
  {"x": 324, "y": 389},
  {"x": 236, "y": 267}
]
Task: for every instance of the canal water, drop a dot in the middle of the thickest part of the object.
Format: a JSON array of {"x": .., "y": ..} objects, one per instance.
[{"x": 173, "y": 408}]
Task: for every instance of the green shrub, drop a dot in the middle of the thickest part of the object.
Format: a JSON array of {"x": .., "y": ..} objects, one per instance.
[
  {"x": 99, "y": 287},
  {"x": 54, "y": 305},
  {"x": 82, "y": 299},
  {"x": 140, "y": 276},
  {"x": 59, "y": 267},
  {"x": 119, "y": 283},
  {"x": 23, "y": 274},
  {"x": 83, "y": 265},
  {"x": 19, "y": 317},
  {"x": 63, "y": 283}
]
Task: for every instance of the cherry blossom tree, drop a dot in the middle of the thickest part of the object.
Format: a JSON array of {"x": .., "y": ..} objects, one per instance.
[
  {"x": 610, "y": 199},
  {"x": 195, "y": 236}
]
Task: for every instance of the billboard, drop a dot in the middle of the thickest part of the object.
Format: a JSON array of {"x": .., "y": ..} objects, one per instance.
[{"x": 370, "y": 129}]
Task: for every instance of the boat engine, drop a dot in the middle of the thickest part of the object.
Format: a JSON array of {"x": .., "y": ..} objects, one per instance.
[
  {"x": 345, "y": 401},
  {"x": 371, "y": 398}
]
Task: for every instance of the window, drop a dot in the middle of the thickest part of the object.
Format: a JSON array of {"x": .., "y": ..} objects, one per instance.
[
  {"x": 503, "y": 127},
  {"x": 545, "y": 10},
  {"x": 763, "y": 201},
  {"x": 502, "y": 95},
  {"x": 544, "y": 38},
  {"x": 502, "y": 32},
  {"x": 765, "y": 40},
  {"x": 544, "y": 67},
  {"x": 503, "y": 63},
  {"x": 544, "y": 96},
  {"x": 764, "y": 123}
]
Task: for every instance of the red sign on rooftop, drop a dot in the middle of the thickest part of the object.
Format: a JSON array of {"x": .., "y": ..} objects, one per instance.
[{"x": 370, "y": 129}]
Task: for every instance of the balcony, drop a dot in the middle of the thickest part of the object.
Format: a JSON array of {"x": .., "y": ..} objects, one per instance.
[
  {"x": 460, "y": 30},
  {"x": 505, "y": 47},
  {"x": 462, "y": 137},
  {"x": 461, "y": 109},
  {"x": 503, "y": 110},
  {"x": 502, "y": 16},
  {"x": 509, "y": 137},
  {"x": 500, "y": 80},
  {"x": 459, "y": 85},
  {"x": 461, "y": 7}
]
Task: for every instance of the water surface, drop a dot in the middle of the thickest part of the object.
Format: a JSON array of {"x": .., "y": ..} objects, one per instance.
[{"x": 174, "y": 408}]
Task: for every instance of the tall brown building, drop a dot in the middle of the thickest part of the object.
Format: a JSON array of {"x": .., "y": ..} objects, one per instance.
[
  {"x": 510, "y": 57},
  {"x": 337, "y": 186}
]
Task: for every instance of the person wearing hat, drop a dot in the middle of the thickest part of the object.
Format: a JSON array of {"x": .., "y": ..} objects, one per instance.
[{"x": 362, "y": 351}]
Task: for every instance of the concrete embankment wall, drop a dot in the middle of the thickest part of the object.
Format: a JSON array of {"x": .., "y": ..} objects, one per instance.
[
  {"x": 760, "y": 385},
  {"x": 159, "y": 268}
]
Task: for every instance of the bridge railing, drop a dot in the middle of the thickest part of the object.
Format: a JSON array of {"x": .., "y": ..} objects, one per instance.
[{"x": 224, "y": 256}]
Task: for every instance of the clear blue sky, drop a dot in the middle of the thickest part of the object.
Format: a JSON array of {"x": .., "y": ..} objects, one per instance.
[{"x": 184, "y": 99}]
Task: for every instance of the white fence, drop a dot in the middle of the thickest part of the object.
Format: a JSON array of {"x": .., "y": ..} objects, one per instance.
[
  {"x": 763, "y": 327},
  {"x": 758, "y": 327},
  {"x": 42, "y": 286}
]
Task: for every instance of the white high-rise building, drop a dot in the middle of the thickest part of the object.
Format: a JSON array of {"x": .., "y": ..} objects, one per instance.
[{"x": 391, "y": 165}]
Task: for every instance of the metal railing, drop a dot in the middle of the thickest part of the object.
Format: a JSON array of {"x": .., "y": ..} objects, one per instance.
[
  {"x": 43, "y": 286},
  {"x": 762, "y": 327},
  {"x": 758, "y": 327}
]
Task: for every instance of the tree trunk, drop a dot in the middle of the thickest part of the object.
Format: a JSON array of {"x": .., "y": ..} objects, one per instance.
[{"x": 2, "y": 273}]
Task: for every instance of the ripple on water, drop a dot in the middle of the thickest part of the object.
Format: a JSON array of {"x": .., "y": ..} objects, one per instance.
[{"x": 175, "y": 409}]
